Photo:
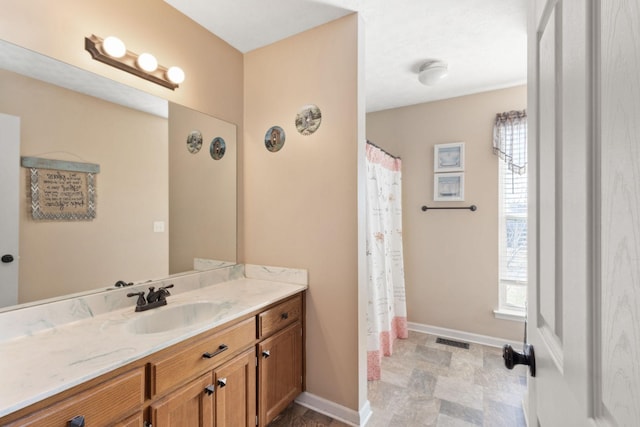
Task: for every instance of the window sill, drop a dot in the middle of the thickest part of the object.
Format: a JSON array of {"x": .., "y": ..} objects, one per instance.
[{"x": 516, "y": 316}]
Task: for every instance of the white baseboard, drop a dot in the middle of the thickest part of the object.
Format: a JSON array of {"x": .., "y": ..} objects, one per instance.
[
  {"x": 462, "y": 336},
  {"x": 334, "y": 410}
]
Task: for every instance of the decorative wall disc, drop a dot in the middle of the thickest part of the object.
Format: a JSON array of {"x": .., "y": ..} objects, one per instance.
[
  {"x": 308, "y": 119},
  {"x": 274, "y": 139},
  {"x": 217, "y": 148},
  {"x": 194, "y": 141}
]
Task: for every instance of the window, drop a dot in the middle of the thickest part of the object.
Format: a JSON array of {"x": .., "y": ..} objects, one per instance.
[{"x": 510, "y": 142}]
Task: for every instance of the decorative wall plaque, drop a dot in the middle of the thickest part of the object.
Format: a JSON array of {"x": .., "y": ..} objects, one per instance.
[
  {"x": 61, "y": 190},
  {"x": 308, "y": 119},
  {"x": 274, "y": 139},
  {"x": 217, "y": 148},
  {"x": 194, "y": 141}
]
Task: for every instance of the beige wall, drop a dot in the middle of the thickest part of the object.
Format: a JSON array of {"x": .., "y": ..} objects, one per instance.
[
  {"x": 451, "y": 257},
  {"x": 61, "y": 257},
  {"x": 301, "y": 202}
]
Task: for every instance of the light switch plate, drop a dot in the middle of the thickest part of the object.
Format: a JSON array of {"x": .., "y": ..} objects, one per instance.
[{"x": 158, "y": 226}]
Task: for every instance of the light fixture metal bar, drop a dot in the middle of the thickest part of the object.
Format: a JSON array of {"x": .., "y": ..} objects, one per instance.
[{"x": 127, "y": 63}]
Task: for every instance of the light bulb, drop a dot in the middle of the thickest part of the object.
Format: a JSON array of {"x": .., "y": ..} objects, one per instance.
[
  {"x": 175, "y": 74},
  {"x": 114, "y": 47},
  {"x": 147, "y": 62}
]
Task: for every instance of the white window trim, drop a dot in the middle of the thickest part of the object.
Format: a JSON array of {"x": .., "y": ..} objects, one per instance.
[
  {"x": 516, "y": 316},
  {"x": 506, "y": 311}
]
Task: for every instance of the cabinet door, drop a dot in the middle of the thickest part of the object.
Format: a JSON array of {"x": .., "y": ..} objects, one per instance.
[
  {"x": 279, "y": 371},
  {"x": 191, "y": 405},
  {"x": 236, "y": 391},
  {"x": 133, "y": 421}
]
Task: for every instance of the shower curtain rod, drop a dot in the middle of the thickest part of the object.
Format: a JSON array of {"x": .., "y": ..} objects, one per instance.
[{"x": 383, "y": 150}]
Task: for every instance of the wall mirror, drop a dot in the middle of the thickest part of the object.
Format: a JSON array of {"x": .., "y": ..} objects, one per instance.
[{"x": 161, "y": 209}]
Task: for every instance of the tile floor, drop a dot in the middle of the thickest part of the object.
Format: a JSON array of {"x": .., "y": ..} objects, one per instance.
[{"x": 435, "y": 385}]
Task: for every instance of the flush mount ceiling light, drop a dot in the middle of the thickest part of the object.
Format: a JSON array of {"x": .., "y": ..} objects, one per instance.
[
  {"x": 431, "y": 72},
  {"x": 112, "y": 51}
]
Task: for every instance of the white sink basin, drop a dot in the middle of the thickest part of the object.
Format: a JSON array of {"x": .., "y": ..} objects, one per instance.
[{"x": 170, "y": 317}]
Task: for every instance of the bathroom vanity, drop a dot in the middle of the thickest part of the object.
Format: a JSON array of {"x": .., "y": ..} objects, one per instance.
[{"x": 226, "y": 354}]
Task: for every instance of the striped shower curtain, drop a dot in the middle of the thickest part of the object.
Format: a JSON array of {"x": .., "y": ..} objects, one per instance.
[{"x": 387, "y": 310}]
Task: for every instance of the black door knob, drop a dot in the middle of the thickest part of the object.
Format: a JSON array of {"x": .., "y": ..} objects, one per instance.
[
  {"x": 513, "y": 358},
  {"x": 7, "y": 258}
]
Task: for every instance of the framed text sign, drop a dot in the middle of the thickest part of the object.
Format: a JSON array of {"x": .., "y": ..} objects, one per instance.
[{"x": 62, "y": 190}]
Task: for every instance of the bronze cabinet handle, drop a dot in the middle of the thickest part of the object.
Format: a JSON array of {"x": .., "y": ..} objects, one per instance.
[{"x": 221, "y": 348}]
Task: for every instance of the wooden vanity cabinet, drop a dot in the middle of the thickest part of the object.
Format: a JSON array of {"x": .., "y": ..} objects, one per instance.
[
  {"x": 224, "y": 397},
  {"x": 115, "y": 399},
  {"x": 280, "y": 371},
  {"x": 235, "y": 395},
  {"x": 215, "y": 379},
  {"x": 191, "y": 405},
  {"x": 280, "y": 355},
  {"x": 135, "y": 421},
  {"x": 179, "y": 363}
]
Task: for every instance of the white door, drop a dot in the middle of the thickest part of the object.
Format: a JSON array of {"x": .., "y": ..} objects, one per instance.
[
  {"x": 584, "y": 298},
  {"x": 9, "y": 184}
]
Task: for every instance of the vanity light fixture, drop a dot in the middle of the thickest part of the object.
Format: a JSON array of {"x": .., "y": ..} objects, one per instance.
[
  {"x": 431, "y": 72},
  {"x": 147, "y": 62},
  {"x": 114, "y": 47},
  {"x": 175, "y": 74},
  {"x": 112, "y": 51}
]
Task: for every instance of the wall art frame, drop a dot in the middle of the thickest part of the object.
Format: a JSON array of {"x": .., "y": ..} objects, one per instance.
[
  {"x": 448, "y": 157},
  {"x": 448, "y": 187},
  {"x": 62, "y": 190}
]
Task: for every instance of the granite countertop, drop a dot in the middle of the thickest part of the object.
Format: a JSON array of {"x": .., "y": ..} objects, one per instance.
[{"x": 40, "y": 365}]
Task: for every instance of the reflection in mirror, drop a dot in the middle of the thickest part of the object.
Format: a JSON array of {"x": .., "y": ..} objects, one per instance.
[
  {"x": 201, "y": 192},
  {"x": 160, "y": 209}
]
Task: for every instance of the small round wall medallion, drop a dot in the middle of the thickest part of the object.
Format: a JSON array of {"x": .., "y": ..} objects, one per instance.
[
  {"x": 274, "y": 139},
  {"x": 217, "y": 148},
  {"x": 194, "y": 141},
  {"x": 308, "y": 119}
]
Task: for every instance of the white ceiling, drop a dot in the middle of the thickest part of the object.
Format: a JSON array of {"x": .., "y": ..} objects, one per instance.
[{"x": 483, "y": 41}]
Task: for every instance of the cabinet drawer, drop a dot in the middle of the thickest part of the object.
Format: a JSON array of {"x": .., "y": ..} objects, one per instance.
[
  {"x": 278, "y": 317},
  {"x": 202, "y": 355},
  {"x": 100, "y": 405}
]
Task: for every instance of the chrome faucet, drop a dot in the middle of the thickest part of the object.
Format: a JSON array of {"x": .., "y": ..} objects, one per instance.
[{"x": 154, "y": 298}]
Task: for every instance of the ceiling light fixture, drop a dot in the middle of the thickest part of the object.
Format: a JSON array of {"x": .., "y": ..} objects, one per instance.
[
  {"x": 112, "y": 51},
  {"x": 431, "y": 72}
]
